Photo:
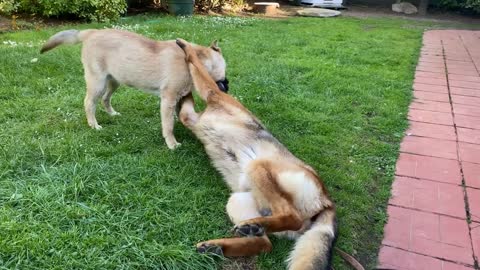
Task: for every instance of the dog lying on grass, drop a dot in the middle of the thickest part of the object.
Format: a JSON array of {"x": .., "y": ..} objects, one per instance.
[
  {"x": 113, "y": 57},
  {"x": 272, "y": 190}
]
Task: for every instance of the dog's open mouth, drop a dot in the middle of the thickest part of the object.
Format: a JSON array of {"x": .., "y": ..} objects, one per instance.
[{"x": 223, "y": 85}]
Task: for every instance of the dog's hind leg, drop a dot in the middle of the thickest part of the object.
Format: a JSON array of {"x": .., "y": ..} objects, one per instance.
[
  {"x": 241, "y": 206},
  {"x": 112, "y": 85},
  {"x": 236, "y": 247},
  {"x": 95, "y": 89},
  {"x": 285, "y": 216}
]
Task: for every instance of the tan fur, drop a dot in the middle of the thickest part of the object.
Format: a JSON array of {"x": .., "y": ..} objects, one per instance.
[
  {"x": 113, "y": 57},
  {"x": 263, "y": 176}
]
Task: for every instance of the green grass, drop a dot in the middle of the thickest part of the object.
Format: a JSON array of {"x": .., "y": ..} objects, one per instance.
[{"x": 334, "y": 91}]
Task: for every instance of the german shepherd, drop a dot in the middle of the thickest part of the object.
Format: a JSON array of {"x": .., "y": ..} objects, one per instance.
[
  {"x": 113, "y": 57},
  {"x": 272, "y": 190}
]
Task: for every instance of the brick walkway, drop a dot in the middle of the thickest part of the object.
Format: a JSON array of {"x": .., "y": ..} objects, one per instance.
[{"x": 437, "y": 184}]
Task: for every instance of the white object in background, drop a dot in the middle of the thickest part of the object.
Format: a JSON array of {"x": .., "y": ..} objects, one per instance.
[
  {"x": 318, "y": 12},
  {"x": 323, "y": 3}
]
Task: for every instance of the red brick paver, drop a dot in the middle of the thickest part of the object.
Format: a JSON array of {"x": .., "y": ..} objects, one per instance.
[
  {"x": 463, "y": 84},
  {"x": 466, "y": 109},
  {"x": 464, "y": 92},
  {"x": 467, "y": 121},
  {"x": 471, "y": 174},
  {"x": 474, "y": 203},
  {"x": 440, "y": 118},
  {"x": 434, "y": 106},
  {"x": 432, "y": 131},
  {"x": 469, "y": 152},
  {"x": 429, "y": 147},
  {"x": 393, "y": 258},
  {"x": 440, "y": 97},
  {"x": 429, "y": 196},
  {"x": 436, "y": 190},
  {"x": 430, "y": 85},
  {"x": 431, "y": 168},
  {"x": 456, "y": 99},
  {"x": 475, "y": 232},
  {"x": 428, "y": 234}
]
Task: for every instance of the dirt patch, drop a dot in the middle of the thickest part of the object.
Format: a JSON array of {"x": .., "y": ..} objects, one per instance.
[
  {"x": 432, "y": 16},
  {"x": 360, "y": 11},
  {"x": 26, "y": 22}
]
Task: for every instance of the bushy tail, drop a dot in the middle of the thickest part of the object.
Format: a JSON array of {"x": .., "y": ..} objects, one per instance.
[
  {"x": 64, "y": 37},
  {"x": 313, "y": 250}
]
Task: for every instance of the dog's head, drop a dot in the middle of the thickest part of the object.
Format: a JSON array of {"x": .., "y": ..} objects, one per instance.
[{"x": 215, "y": 64}]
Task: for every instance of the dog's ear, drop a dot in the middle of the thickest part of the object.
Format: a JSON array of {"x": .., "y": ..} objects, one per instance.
[
  {"x": 183, "y": 44},
  {"x": 214, "y": 46}
]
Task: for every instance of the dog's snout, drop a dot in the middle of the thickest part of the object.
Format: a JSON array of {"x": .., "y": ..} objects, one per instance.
[{"x": 223, "y": 85}]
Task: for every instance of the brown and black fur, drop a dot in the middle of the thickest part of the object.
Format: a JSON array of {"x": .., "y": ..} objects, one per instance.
[{"x": 272, "y": 190}]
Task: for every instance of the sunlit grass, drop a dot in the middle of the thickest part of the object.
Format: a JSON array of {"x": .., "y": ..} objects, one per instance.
[{"x": 334, "y": 91}]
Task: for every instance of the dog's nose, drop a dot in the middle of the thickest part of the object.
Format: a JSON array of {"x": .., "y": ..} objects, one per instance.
[{"x": 223, "y": 85}]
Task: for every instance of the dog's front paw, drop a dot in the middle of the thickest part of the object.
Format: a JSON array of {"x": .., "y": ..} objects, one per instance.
[
  {"x": 172, "y": 144},
  {"x": 114, "y": 113},
  {"x": 205, "y": 247},
  {"x": 249, "y": 230},
  {"x": 95, "y": 126}
]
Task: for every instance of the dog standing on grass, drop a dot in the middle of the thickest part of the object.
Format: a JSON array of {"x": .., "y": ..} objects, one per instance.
[
  {"x": 272, "y": 190},
  {"x": 113, "y": 57}
]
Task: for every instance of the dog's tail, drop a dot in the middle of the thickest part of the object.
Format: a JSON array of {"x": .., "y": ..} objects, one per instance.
[
  {"x": 313, "y": 250},
  {"x": 205, "y": 85},
  {"x": 65, "y": 37}
]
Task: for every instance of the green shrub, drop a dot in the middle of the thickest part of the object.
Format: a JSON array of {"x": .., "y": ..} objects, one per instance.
[
  {"x": 462, "y": 5},
  {"x": 200, "y": 5},
  {"x": 105, "y": 10},
  {"x": 473, "y": 5},
  {"x": 217, "y": 5},
  {"x": 141, "y": 3},
  {"x": 8, "y": 6},
  {"x": 92, "y": 10},
  {"x": 206, "y": 5}
]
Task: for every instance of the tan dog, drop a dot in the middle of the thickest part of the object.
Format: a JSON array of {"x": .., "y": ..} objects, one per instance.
[
  {"x": 113, "y": 57},
  {"x": 272, "y": 190}
]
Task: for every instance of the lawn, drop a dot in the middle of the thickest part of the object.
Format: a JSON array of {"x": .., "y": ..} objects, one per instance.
[{"x": 334, "y": 91}]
